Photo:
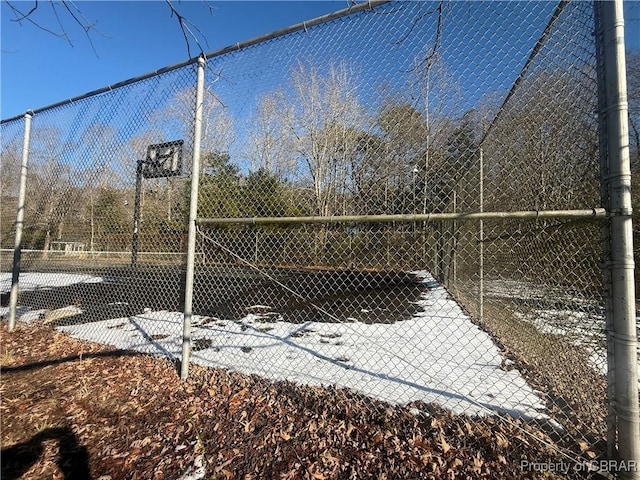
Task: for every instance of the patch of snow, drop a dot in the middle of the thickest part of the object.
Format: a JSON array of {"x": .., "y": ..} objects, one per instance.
[
  {"x": 439, "y": 355},
  {"x": 27, "y": 315},
  {"x": 582, "y": 329},
  {"x": 22, "y": 313},
  {"x": 60, "y": 313},
  {"x": 197, "y": 472},
  {"x": 38, "y": 281}
]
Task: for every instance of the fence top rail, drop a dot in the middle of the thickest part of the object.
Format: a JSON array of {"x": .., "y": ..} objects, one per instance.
[
  {"x": 587, "y": 213},
  {"x": 368, "y": 5}
]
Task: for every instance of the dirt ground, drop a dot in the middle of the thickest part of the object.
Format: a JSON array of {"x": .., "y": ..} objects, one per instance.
[{"x": 75, "y": 410}]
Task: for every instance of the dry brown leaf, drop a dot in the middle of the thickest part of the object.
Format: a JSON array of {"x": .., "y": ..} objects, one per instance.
[
  {"x": 327, "y": 455},
  {"x": 350, "y": 429},
  {"x": 468, "y": 426},
  {"x": 501, "y": 440},
  {"x": 443, "y": 443}
]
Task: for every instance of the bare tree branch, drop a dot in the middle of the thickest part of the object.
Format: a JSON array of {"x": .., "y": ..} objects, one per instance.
[
  {"x": 422, "y": 17},
  {"x": 70, "y": 10},
  {"x": 20, "y": 17},
  {"x": 23, "y": 16},
  {"x": 55, "y": 12},
  {"x": 83, "y": 23},
  {"x": 186, "y": 27},
  {"x": 428, "y": 60}
]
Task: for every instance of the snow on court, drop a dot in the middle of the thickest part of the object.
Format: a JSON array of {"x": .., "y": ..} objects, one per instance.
[
  {"x": 438, "y": 355},
  {"x": 39, "y": 281},
  {"x": 30, "y": 281}
]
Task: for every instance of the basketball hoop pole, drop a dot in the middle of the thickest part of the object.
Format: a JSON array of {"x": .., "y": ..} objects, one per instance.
[
  {"x": 136, "y": 215},
  {"x": 163, "y": 160}
]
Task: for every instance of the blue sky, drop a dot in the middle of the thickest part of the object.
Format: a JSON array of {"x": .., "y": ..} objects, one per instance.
[
  {"x": 133, "y": 38},
  {"x": 38, "y": 69}
]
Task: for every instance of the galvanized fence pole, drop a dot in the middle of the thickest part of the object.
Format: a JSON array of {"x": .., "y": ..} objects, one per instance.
[
  {"x": 621, "y": 265},
  {"x": 17, "y": 246},
  {"x": 193, "y": 210},
  {"x": 612, "y": 429}
]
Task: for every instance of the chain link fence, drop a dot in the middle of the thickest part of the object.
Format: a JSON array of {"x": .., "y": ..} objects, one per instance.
[
  {"x": 11, "y": 156},
  {"x": 432, "y": 113},
  {"x": 77, "y": 268},
  {"x": 360, "y": 213}
]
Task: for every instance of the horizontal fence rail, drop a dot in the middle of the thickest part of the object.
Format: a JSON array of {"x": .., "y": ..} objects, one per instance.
[{"x": 599, "y": 213}]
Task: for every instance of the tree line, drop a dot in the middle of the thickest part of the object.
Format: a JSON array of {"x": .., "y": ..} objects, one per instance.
[{"x": 318, "y": 148}]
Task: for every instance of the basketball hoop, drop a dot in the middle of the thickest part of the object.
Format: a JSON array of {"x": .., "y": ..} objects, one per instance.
[{"x": 163, "y": 160}]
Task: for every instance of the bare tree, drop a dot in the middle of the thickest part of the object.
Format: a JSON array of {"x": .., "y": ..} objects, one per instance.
[
  {"x": 176, "y": 120},
  {"x": 270, "y": 145},
  {"x": 53, "y": 196},
  {"x": 327, "y": 121},
  {"x": 98, "y": 173},
  {"x": 10, "y": 158},
  {"x": 542, "y": 152}
]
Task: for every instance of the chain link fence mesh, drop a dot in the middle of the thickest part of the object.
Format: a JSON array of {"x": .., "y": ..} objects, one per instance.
[
  {"x": 399, "y": 109},
  {"x": 409, "y": 109},
  {"x": 11, "y": 155},
  {"x": 77, "y": 272}
]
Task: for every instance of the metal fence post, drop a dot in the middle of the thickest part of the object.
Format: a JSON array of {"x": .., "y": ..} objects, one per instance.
[
  {"x": 193, "y": 211},
  {"x": 17, "y": 246},
  {"x": 614, "y": 117},
  {"x": 612, "y": 430}
]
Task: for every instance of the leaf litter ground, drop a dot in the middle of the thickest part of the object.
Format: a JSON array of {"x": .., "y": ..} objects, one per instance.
[{"x": 76, "y": 409}]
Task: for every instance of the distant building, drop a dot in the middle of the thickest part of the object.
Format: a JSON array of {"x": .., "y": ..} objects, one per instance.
[{"x": 67, "y": 248}]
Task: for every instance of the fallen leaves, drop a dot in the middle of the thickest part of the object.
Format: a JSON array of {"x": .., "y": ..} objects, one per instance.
[
  {"x": 235, "y": 402},
  {"x": 136, "y": 419}
]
